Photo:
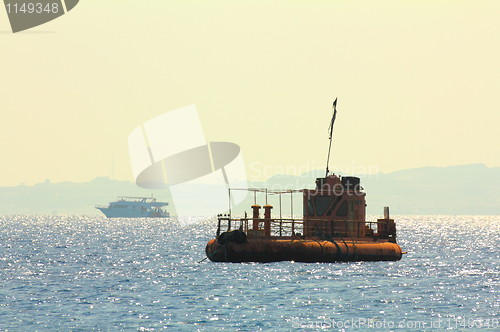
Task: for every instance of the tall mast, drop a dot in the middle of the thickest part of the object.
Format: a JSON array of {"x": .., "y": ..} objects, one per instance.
[{"x": 334, "y": 107}]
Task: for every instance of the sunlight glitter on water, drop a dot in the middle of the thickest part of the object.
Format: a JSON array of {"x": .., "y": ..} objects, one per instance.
[{"x": 90, "y": 273}]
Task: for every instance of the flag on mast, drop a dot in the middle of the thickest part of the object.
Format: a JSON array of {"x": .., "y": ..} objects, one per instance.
[
  {"x": 331, "y": 133},
  {"x": 333, "y": 117}
]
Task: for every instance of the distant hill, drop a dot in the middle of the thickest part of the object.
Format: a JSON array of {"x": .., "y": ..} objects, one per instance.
[{"x": 453, "y": 190}]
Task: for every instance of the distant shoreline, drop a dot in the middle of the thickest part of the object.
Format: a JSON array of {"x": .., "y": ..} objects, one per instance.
[{"x": 469, "y": 190}]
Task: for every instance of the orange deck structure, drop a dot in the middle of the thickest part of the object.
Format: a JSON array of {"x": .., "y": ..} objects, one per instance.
[{"x": 333, "y": 229}]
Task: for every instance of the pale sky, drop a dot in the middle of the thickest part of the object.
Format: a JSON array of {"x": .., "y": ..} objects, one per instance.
[{"x": 417, "y": 83}]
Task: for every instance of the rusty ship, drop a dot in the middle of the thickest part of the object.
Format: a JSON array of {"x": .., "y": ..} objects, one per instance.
[{"x": 333, "y": 227}]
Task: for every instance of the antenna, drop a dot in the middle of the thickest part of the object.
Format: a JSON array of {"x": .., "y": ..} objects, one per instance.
[{"x": 334, "y": 107}]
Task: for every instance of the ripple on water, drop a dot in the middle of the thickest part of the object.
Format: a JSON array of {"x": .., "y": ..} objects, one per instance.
[{"x": 89, "y": 273}]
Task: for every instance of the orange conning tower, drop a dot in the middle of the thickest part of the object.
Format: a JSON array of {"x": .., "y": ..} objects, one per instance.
[{"x": 335, "y": 199}]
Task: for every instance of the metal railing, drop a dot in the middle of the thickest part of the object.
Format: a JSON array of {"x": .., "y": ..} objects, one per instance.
[{"x": 286, "y": 227}]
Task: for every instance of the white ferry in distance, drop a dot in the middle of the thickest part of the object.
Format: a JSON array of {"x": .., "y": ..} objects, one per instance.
[{"x": 135, "y": 207}]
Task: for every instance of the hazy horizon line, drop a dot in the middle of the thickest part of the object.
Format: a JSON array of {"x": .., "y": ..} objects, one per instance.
[{"x": 276, "y": 175}]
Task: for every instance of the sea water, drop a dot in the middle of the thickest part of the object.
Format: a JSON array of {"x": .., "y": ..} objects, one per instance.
[{"x": 79, "y": 273}]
